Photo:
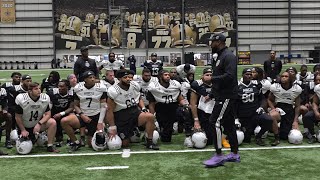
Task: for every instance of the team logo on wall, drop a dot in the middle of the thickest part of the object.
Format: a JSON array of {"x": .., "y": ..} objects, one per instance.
[{"x": 162, "y": 26}]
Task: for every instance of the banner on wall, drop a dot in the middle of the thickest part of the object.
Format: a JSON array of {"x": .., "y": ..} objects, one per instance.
[
  {"x": 8, "y": 11},
  {"x": 83, "y": 23}
]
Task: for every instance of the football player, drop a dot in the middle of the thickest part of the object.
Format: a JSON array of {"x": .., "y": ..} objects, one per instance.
[
  {"x": 164, "y": 96},
  {"x": 5, "y": 116},
  {"x": 185, "y": 69},
  {"x": 111, "y": 64},
  {"x": 16, "y": 80},
  {"x": 62, "y": 23},
  {"x": 151, "y": 20},
  {"x": 90, "y": 106},
  {"x": 135, "y": 32},
  {"x": 62, "y": 105},
  {"x": 126, "y": 110},
  {"x": 154, "y": 65},
  {"x": 33, "y": 115},
  {"x": 109, "y": 79},
  {"x": 200, "y": 109},
  {"x": 160, "y": 36},
  {"x": 285, "y": 95},
  {"x": 89, "y": 29},
  {"x": 229, "y": 22},
  {"x": 103, "y": 20},
  {"x": 304, "y": 75},
  {"x": 311, "y": 118},
  {"x": 201, "y": 26},
  {"x": 51, "y": 81},
  {"x": 249, "y": 98}
]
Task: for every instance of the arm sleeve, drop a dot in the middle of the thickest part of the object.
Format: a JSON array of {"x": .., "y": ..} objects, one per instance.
[
  {"x": 230, "y": 67},
  {"x": 76, "y": 97},
  {"x": 19, "y": 110},
  {"x": 150, "y": 97}
]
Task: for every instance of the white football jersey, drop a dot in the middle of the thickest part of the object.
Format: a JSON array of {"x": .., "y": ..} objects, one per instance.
[
  {"x": 144, "y": 87},
  {"x": 317, "y": 90},
  {"x": 32, "y": 111},
  {"x": 285, "y": 96},
  {"x": 125, "y": 99},
  {"x": 165, "y": 95},
  {"x": 90, "y": 98},
  {"x": 308, "y": 77},
  {"x": 116, "y": 65},
  {"x": 185, "y": 87},
  {"x": 265, "y": 86}
]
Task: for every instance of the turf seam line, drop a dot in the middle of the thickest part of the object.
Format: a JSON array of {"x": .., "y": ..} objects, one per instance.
[{"x": 157, "y": 152}]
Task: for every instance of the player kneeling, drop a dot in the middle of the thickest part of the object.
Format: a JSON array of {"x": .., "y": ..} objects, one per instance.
[
  {"x": 126, "y": 110},
  {"x": 33, "y": 116}
]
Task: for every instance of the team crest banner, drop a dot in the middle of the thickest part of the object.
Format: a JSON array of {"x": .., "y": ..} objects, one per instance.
[{"x": 8, "y": 11}]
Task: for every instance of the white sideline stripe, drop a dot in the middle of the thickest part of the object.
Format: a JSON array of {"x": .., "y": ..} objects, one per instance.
[
  {"x": 159, "y": 152},
  {"x": 107, "y": 167}
]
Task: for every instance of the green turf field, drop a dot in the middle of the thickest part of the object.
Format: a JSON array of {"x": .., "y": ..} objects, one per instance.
[{"x": 282, "y": 162}]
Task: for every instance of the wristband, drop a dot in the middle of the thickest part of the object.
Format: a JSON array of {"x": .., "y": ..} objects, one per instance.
[
  {"x": 80, "y": 113},
  {"x": 40, "y": 123},
  {"x": 196, "y": 119},
  {"x": 62, "y": 113}
]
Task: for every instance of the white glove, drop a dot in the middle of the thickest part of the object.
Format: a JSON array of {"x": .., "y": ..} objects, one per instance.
[{"x": 260, "y": 110}]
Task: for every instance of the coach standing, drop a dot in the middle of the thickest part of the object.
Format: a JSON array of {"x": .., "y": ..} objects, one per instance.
[
  {"x": 224, "y": 91},
  {"x": 84, "y": 63},
  {"x": 272, "y": 67}
]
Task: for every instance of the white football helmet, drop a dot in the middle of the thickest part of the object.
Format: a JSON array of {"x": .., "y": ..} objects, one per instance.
[
  {"x": 114, "y": 143},
  {"x": 199, "y": 140},
  {"x": 136, "y": 136},
  {"x": 295, "y": 137},
  {"x": 14, "y": 135},
  {"x": 24, "y": 146},
  {"x": 99, "y": 141},
  {"x": 155, "y": 136},
  {"x": 175, "y": 128},
  {"x": 300, "y": 119},
  {"x": 42, "y": 139},
  {"x": 257, "y": 130},
  {"x": 240, "y": 136}
]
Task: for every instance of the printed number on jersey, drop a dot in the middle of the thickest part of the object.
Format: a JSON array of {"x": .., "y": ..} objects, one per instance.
[
  {"x": 34, "y": 116},
  {"x": 247, "y": 98}
]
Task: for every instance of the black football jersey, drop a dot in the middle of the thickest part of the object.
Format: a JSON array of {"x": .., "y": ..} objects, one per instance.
[
  {"x": 249, "y": 97},
  {"x": 135, "y": 36},
  {"x": 86, "y": 31},
  {"x": 70, "y": 42},
  {"x": 154, "y": 67},
  {"x": 48, "y": 85},
  {"x": 59, "y": 103},
  {"x": 159, "y": 38}
]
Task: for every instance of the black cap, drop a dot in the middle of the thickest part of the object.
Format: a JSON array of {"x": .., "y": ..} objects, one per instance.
[
  {"x": 217, "y": 37},
  {"x": 154, "y": 54},
  {"x": 84, "y": 48},
  {"x": 207, "y": 70},
  {"x": 123, "y": 72},
  {"x": 87, "y": 74},
  {"x": 245, "y": 70},
  {"x": 25, "y": 77}
]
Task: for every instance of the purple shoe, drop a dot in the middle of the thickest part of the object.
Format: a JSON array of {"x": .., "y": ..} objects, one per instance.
[
  {"x": 232, "y": 157},
  {"x": 216, "y": 160}
]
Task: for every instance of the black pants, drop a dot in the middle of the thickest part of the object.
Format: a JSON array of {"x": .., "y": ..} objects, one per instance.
[
  {"x": 265, "y": 122},
  {"x": 185, "y": 120},
  {"x": 205, "y": 125},
  {"x": 166, "y": 115},
  {"x": 248, "y": 124},
  {"x": 13, "y": 115},
  {"x": 286, "y": 120},
  {"x": 309, "y": 120},
  {"x": 223, "y": 115}
]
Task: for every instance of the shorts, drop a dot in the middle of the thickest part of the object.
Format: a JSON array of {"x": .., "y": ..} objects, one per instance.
[
  {"x": 92, "y": 126},
  {"x": 126, "y": 120}
]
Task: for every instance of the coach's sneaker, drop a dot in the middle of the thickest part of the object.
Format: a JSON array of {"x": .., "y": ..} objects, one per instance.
[
  {"x": 188, "y": 143},
  {"x": 74, "y": 147},
  {"x": 232, "y": 157},
  {"x": 225, "y": 143},
  {"x": 216, "y": 160}
]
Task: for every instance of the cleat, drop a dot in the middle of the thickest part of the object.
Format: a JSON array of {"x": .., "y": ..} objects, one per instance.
[
  {"x": 260, "y": 142},
  {"x": 214, "y": 161},
  {"x": 74, "y": 147},
  {"x": 52, "y": 149},
  {"x": 232, "y": 157},
  {"x": 276, "y": 142},
  {"x": 152, "y": 146},
  {"x": 8, "y": 144}
]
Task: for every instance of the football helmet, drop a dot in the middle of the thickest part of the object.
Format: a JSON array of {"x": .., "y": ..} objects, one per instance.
[
  {"x": 115, "y": 37},
  {"x": 151, "y": 15},
  {"x": 73, "y": 26},
  {"x": 200, "y": 18},
  {"x": 176, "y": 36},
  {"x": 217, "y": 23},
  {"x": 192, "y": 16},
  {"x": 199, "y": 140},
  {"x": 240, "y": 136},
  {"x": 161, "y": 21},
  {"x": 42, "y": 139},
  {"x": 295, "y": 137},
  {"x": 99, "y": 141},
  {"x": 63, "y": 18},
  {"x": 136, "y": 136},
  {"x": 114, "y": 143},
  {"x": 14, "y": 135},
  {"x": 103, "y": 16},
  {"x": 135, "y": 20},
  {"x": 89, "y": 18},
  {"x": 177, "y": 16},
  {"x": 257, "y": 130},
  {"x": 227, "y": 16},
  {"x": 24, "y": 146},
  {"x": 155, "y": 136}
]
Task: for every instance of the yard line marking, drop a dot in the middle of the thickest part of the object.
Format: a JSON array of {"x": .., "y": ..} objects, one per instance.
[
  {"x": 158, "y": 152},
  {"x": 107, "y": 167}
]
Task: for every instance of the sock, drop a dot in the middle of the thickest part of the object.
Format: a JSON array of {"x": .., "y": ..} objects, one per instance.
[{"x": 50, "y": 145}]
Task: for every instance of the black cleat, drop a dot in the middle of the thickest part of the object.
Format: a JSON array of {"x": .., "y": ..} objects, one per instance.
[
  {"x": 276, "y": 142},
  {"x": 311, "y": 139},
  {"x": 52, "y": 149},
  {"x": 260, "y": 142},
  {"x": 8, "y": 144},
  {"x": 59, "y": 144},
  {"x": 152, "y": 146},
  {"x": 74, "y": 147}
]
